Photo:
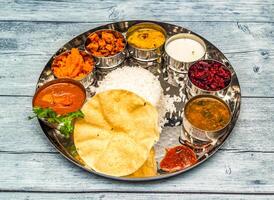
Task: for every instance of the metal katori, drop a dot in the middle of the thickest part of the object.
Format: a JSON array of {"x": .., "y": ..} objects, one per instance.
[
  {"x": 182, "y": 66},
  {"x": 198, "y": 135},
  {"x": 193, "y": 90},
  {"x": 89, "y": 78},
  {"x": 145, "y": 54},
  {"x": 109, "y": 62},
  {"x": 52, "y": 82}
]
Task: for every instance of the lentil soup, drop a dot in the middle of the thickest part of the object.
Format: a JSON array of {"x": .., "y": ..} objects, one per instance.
[{"x": 207, "y": 113}]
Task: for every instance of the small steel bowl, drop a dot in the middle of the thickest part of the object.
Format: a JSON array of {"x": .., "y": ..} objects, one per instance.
[
  {"x": 181, "y": 66},
  {"x": 47, "y": 84},
  {"x": 193, "y": 90},
  {"x": 88, "y": 79},
  {"x": 108, "y": 62},
  {"x": 200, "y": 136},
  {"x": 145, "y": 54}
]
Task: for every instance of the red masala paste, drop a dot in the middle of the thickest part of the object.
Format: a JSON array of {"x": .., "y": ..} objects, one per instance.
[{"x": 178, "y": 158}]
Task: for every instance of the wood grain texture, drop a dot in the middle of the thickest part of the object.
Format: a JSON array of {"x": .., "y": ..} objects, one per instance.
[
  {"x": 249, "y": 46},
  {"x": 47, "y": 37},
  {"x": 253, "y": 131},
  {"x": 245, "y": 163},
  {"x": 175, "y": 10},
  {"x": 225, "y": 172},
  {"x": 132, "y": 196},
  {"x": 31, "y": 31}
]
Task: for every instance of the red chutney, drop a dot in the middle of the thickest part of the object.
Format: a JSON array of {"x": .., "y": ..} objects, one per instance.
[
  {"x": 178, "y": 158},
  {"x": 63, "y": 98},
  {"x": 209, "y": 75}
]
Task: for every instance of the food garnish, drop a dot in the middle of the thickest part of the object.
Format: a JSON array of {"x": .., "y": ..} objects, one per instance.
[
  {"x": 74, "y": 64},
  {"x": 178, "y": 158},
  {"x": 62, "y": 97},
  {"x": 146, "y": 38},
  {"x": 64, "y": 123},
  {"x": 207, "y": 113},
  {"x": 105, "y": 43},
  {"x": 117, "y": 133},
  {"x": 209, "y": 75}
]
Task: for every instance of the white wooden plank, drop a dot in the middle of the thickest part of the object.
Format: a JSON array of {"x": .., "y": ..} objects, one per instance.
[
  {"x": 131, "y": 196},
  {"x": 26, "y": 47},
  {"x": 253, "y": 131},
  {"x": 244, "y": 165},
  {"x": 47, "y": 37},
  {"x": 17, "y": 133},
  {"x": 225, "y": 172},
  {"x": 87, "y": 11}
]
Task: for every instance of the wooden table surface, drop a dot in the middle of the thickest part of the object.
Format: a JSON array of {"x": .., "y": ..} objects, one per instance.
[{"x": 31, "y": 31}]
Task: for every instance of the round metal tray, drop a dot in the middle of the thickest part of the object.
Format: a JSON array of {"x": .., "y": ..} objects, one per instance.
[{"x": 170, "y": 135}]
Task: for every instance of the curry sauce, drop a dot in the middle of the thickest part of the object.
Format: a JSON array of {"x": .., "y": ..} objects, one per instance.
[
  {"x": 208, "y": 114},
  {"x": 63, "y": 98}
]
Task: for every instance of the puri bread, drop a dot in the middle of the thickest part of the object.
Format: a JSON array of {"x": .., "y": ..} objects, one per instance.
[{"x": 117, "y": 133}]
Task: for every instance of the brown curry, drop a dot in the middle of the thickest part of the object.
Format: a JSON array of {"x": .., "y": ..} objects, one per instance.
[{"x": 208, "y": 114}]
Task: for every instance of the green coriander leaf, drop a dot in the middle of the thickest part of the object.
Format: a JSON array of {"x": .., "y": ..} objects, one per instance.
[{"x": 65, "y": 122}]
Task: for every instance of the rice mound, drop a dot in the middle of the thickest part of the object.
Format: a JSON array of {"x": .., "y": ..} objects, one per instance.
[{"x": 135, "y": 79}]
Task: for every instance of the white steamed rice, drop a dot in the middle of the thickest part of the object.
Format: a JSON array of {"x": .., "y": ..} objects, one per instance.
[{"x": 135, "y": 79}]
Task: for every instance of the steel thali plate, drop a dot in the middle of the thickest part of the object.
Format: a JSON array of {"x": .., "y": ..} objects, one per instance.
[{"x": 171, "y": 132}]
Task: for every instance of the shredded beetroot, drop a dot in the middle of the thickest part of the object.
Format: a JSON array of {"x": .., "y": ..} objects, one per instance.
[{"x": 209, "y": 75}]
